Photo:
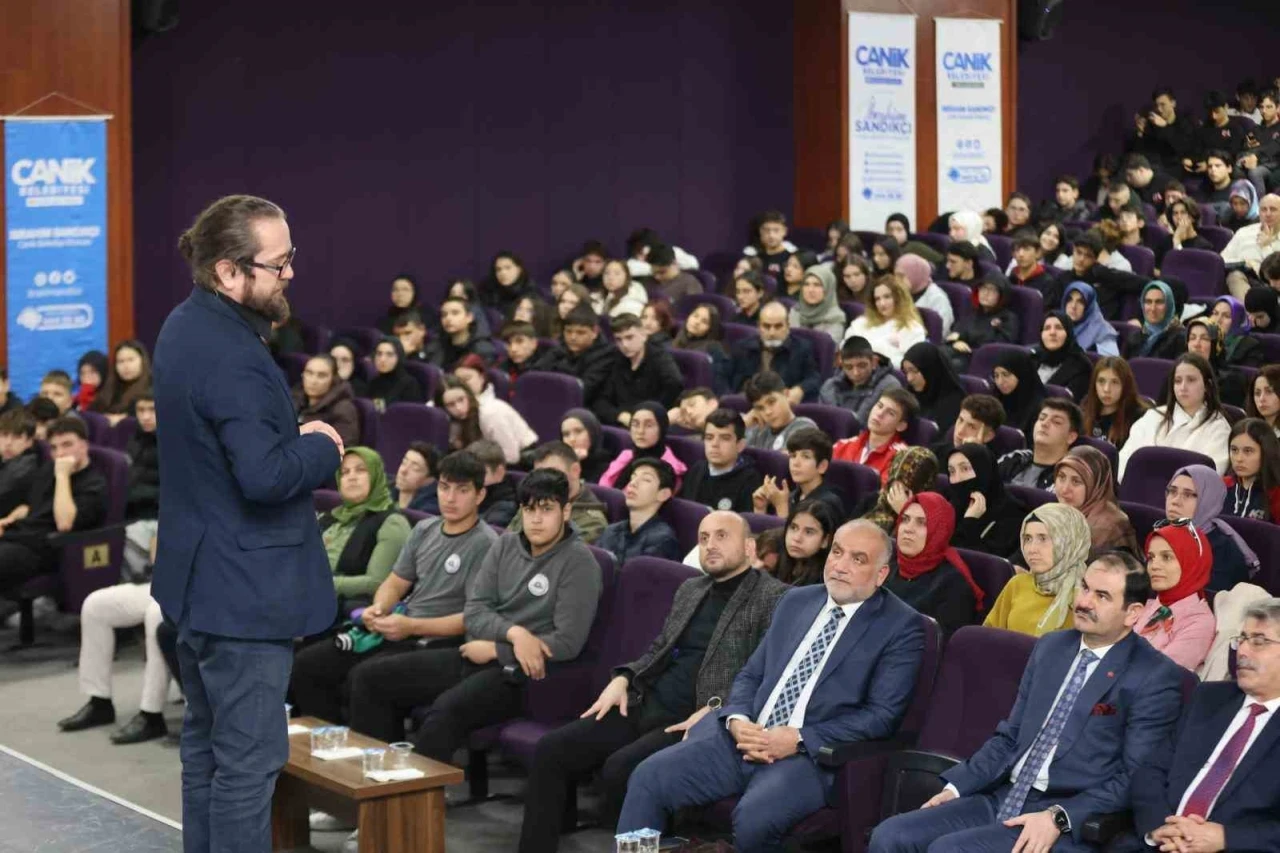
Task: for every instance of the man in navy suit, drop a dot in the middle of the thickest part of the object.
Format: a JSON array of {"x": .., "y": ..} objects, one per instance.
[
  {"x": 1093, "y": 705},
  {"x": 837, "y": 664},
  {"x": 240, "y": 569},
  {"x": 1219, "y": 787}
]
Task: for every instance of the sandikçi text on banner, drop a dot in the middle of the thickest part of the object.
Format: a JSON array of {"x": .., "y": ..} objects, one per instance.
[
  {"x": 970, "y": 123},
  {"x": 882, "y": 118},
  {"x": 56, "y": 245}
]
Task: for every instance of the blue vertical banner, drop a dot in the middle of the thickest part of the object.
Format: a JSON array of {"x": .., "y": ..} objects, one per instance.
[{"x": 56, "y": 249}]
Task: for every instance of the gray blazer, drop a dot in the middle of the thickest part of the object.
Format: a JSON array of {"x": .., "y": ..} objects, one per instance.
[{"x": 745, "y": 619}]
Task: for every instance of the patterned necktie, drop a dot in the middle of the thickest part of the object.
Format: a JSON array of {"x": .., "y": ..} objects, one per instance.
[
  {"x": 786, "y": 704},
  {"x": 1216, "y": 779},
  {"x": 1045, "y": 741}
]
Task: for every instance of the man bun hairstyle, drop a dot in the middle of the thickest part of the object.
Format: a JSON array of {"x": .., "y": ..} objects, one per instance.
[{"x": 224, "y": 231}]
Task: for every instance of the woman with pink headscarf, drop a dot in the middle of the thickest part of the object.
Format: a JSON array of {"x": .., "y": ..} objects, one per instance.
[{"x": 924, "y": 292}]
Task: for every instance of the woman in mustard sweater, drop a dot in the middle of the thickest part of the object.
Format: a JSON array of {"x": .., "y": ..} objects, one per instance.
[{"x": 1055, "y": 544}]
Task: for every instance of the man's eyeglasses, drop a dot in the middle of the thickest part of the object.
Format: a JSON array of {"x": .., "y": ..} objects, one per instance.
[
  {"x": 1184, "y": 523},
  {"x": 1256, "y": 641},
  {"x": 278, "y": 270}
]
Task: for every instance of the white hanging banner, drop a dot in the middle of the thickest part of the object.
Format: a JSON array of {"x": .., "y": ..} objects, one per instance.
[
  {"x": 882, "y": 118},
  {"x": 970, "y": 124}
]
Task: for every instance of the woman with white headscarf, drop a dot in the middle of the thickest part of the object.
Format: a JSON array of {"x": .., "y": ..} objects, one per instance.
[{"x": 967, "y": 225}]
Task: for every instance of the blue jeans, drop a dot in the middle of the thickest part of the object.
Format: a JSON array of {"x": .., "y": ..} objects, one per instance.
[{"x": 234, "y": 739}]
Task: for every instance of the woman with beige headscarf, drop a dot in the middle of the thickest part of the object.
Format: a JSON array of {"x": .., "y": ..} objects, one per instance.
[
  {"x": 1055, "y": 545},
  {"x": 1083, "y": 480}
]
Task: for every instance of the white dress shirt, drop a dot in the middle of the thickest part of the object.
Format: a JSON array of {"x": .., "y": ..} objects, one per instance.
[{"x": 797, "y": 714}]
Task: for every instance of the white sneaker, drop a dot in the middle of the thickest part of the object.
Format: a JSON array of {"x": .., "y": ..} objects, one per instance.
[
  {"x": 41, "y": 609},
  {"x": 352, "y": 844},
  {"x": 325, "y": 822}
]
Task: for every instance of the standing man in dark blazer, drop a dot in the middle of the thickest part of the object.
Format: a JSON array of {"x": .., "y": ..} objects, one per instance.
[
  {"x": 1219, "y": 787},
  {"x": 1094, "y": 704},
  {"x": 715, "y": 623},
  {"x": 838, "y": 663},
  {"x": 240, "y": 569}
]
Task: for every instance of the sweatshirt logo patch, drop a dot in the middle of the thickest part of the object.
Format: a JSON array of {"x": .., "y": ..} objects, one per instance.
[
  {"x": 724, "y": 503},
  {"x": 538, "y": 584},
  {"x": 452, "y": 563}
]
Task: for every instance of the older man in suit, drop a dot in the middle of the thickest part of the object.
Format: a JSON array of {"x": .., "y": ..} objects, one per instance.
[
  {"x": 1218, "y": 788},
  {"x": 1094, "y": 703},
  {"x": 240, "y": 568},
  {"x": 837, "y": 664},
  {"x": 715, "y": 623}
]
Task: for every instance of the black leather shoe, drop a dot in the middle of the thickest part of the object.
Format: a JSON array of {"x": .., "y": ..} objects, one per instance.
[
  {"x": 142, "y": 727},
  {"x": 92, "y": 714}
]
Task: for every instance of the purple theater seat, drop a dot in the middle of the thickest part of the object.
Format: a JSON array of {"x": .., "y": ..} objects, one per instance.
[
  {"x": 824, "y": 348},
  {"x": 1217, "y": 236},
  {"x": 1264, "y": 538},
  {"x": 1235, "y": 414},
  {"x": 932, "y": 324},
  {"x": 771, "y": 463},
  {"x": 325, "y": 499},
  {"x": 1030, "y": 496},
  {"x": 960, "y": 296},
  {"x": 984, "y": 358},
  {"x": 1202, "y": 270},
  {"x": 1105, "y": 447},
  {"x": 1151, "y": 374},
  {"x": 1142, "y": 259},
  {"x": 365, "y": 338},
  {"x": 316, "y": 338},
  {"x": 1051, "y": 390},
  {"x": 708, "y": 279},
  {"x": 920, "y": 431},
  {"x": 834, "y": 421},
  {"x": 760, "y": 522},
  {"x": 1007, "y": 439},
  {"x": 990, "y": 572},
  {"x": 735, "y": 332},
  {"x": 852, "y": 310},
  {"x": 687, "y": 448},
  {"x": 1143, "y": 518},
  {"x": 1150, "y": 469},
  {"x": 974, "y": 384},
  {"x": 501, "y": 383},
  {"x": 542, "y": 398},
  {"x": 975, "y": 691},
  {"x": 292, "y": 363},
  {"x": 853, "y": 480},
  {"x": 96, "y": 425},
  {"x": 369, "y": 432},
  {"x": 615, "y": 502},
  {"x": 404, "y": 423},
  {"x": 1208, "y": 216},
  {"x": 1028, "y": 304},
  {"x": 695, "y": 367},
  {"x": 121, "y": 434},
  {"x": 937, "y": 242},
  {"x": 684, "y": 516},
  {"x": 737, "y": 402},
  {"x": 727, "y": 307},
  {"x": 615, "y": 439},
  {"x": 415, "y": 516},
  {"x": 1002, "y": 247}
]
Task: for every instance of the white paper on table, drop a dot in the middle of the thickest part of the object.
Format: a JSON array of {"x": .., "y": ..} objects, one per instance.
[
  {"x": 335, "y": 754},
  {"x": 295, "y": 729},
  {"x": 395, "y": 775}
]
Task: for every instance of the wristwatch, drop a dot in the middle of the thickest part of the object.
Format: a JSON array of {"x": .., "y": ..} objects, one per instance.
[
  {"x": 800, "y": 747},
  {"x": 1060, "y": 819}
]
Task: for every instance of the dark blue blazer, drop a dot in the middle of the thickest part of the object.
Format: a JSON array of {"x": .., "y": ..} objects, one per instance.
[
  {"x": 865, "y": 687},
  {"x": 1139, "y": 691},
  {"x": 1249, "y": 805},
  {"x": 239, "y": 551}
]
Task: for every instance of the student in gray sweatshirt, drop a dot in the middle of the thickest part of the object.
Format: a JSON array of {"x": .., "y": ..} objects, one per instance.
[{"x": 529, "y": 606}]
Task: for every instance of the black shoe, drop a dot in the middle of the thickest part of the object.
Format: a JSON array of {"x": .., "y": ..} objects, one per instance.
[
  {"x": 94, "y": 713},
  {"x": 141, "y": 727}
]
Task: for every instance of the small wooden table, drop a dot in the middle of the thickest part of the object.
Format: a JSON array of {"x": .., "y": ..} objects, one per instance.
[{"x": 393, "y": 817}]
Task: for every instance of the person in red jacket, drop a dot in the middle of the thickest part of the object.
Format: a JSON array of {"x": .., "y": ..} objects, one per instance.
[{"x": 875, "y": 446}]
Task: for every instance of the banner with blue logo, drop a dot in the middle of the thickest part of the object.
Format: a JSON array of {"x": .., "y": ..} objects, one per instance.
[
  {"x": 56, "y": 250},
  {"x": 970, "y": 131},
  {"x": 882, "y": 112}
]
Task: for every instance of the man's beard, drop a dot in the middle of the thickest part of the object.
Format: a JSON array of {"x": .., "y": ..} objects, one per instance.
[{"x": 274, "y": 307}]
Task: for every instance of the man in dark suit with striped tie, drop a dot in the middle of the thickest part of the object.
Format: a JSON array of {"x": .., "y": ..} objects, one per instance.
[{"x": 1219, "y": 787}]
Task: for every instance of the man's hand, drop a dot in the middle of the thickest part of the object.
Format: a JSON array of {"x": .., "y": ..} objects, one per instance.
[
  {"x": 946, "y": 795},
  {"x": 1039, "y": 832},
  {"x": 689, "y": 723},
  {"x": 795, "y": 395},
  {"x": 977, "y": 506},
  {"x": 1249, "y": 161},
  {"x": 116, "y": 419},
  {"x": 1191, "y": 834},
  {"x": 370, "y": 616},
  {"x": 394, "y": 627},
  {"x": 1158, "y": 120},
  {"x": 64, "y": 466},
  {"x": 783, "y": 742},
  {"x": 961, "y": 347},
  {"x": 614, "y": 695},
  {"x": 781, "y": 499},
  {"x": 325, "y": 430},
  {"x": 752, "y": 740},
  {"x": 762, "y": 497},
  {"x": 480, "y": 652},
  {"x": 531, "y": 652}
]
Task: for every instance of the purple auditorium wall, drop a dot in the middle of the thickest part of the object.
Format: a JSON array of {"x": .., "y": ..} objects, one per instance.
[
  {"x": 427, "y": 136},
  {"x": 1077, "y": 92}
]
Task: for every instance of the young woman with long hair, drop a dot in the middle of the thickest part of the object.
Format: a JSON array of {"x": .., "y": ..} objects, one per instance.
[
  {"x": 1192, "y": 419},
  {"x": 1112, "y": 404},
  {"x": 892, "y": 324},
  {"x": 1253, "y": 484}
]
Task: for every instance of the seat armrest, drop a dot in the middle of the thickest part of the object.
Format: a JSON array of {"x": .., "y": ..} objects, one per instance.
[
  {"x": 833, "y": 755},
  {"x": 1101, "y": 828},
  {"x": 918, "y": 761}
]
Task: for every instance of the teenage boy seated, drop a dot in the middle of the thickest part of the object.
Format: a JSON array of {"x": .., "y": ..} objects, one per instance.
[
  {"x": 410, "y": 328},
  {"x": 499, "y": 504},
  {"x": 20, "y": 456},
  {"x": 416, "y": 478},
  {"x": 644, "y": 372},
  {"x": 1144, "y": 181},
  {"x": 429, "y": 578},
  {"x": 589, "y": 512},
  {"x": 861, "y": 380},
  {"x": 67, "y": 495},
  {"x": 1118, "y": 195},
  {"x": 457, "y": 338},
  {"x": 45, "y": 411},
  {"x": 56, "y": 388},
  {"x": 808, "y": 458},
  {"x": 724, "y": 478},
  {"x": 771, "y": 245},
  {"x": 1058, "y": 425},
  {"x": 524, "y": 353},
  {"x": 981, "y": 415},
  {"x": 875, "y": 446},
  {"x": 1029, "y": 269},
  {"x": 962, "y": 262},
  {"x": 142, "y": 506},
  {"x": 692, "y": 409},
  {"x": 587, "y": 355},
  {"x": 771, "y": 420},
  {"x": 8, "y": 400},
  {"x": 1130, "y": 222},
  {"x": 671, "y": 281},
  {"x": 650, "y": 484},
  {"x": 1111, "y": 285},
  {"x": 1066, "y": 204},
  {"x": 1216, "y": 191},
  {"x": 530, "y": 606}
]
